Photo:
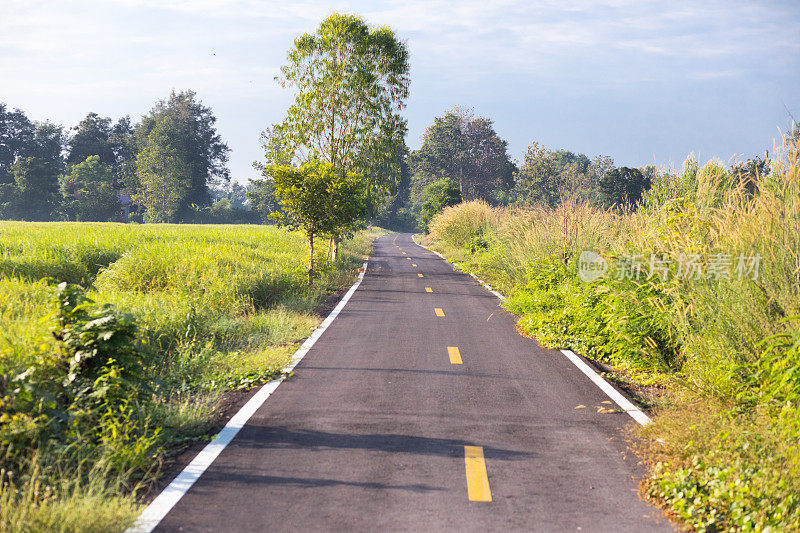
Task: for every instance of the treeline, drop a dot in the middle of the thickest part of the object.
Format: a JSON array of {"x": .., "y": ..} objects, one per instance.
[
  {"x": 463, "y": 158},
  {"x": 171, "y": 166}
]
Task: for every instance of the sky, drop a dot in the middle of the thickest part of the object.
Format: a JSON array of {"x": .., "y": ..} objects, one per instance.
[{"x": 645, "y": 82}]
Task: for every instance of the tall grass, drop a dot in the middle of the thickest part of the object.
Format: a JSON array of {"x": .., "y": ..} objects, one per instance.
[
  {"x": 723, "y": 449},
  {"x": 207, "y": 309}
]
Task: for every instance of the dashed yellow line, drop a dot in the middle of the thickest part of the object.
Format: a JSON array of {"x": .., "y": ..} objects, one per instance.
[
  {"x": 438, "y": 312},
  {"x": 455, "y": 355},
  {"x": 420, "y": 275},
  {"x": 428, "y": 289},
  {"x": 477, "y": 481},
  {"x": 404, "y": 253},
  {"x": 413, "y": 265}
]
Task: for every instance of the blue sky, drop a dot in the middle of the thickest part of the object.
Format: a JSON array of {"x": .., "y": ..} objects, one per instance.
[{"x": 641, "y": 81}]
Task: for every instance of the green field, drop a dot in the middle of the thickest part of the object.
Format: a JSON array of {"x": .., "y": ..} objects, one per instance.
[
  {"x": 103, "y": 377},
  {"x": 718, "y": 357}
]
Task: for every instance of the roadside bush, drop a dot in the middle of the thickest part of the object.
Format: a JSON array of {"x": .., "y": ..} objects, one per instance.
[{"x": 466, "y": 225}]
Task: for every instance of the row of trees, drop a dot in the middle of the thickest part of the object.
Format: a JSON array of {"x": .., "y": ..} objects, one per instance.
[
  {"x": 162, "y": 169},
  {"x": 464, "y": 153},
  {"x": 463, "y": 157}
]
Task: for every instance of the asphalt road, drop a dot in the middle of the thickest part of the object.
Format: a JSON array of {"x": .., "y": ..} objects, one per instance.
[{"x": 381, "y": 429}]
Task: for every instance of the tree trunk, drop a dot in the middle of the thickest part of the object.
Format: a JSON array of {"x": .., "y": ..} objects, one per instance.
[
  {"x": 335, "y": 249},
  {"x": 330, "y": 249},
  {"x": 311, "y": 258}
]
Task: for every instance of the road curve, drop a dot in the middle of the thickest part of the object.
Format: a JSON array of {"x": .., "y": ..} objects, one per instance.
[{"x": 422, "y": 409}]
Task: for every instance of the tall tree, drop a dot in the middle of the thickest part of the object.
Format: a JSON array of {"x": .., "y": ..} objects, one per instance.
[
  {"x": 466, "y": 149},
  {"x": 164, "y": 171},
  {"x": 598, "y": 167},
  {"x": 203, "y": 155},
  {"x": 351, "y": 83},
  {"x": 261, "y": 195}
]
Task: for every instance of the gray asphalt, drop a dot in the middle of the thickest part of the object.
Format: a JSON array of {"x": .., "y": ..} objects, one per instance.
[{"x": 369, "y": 433}]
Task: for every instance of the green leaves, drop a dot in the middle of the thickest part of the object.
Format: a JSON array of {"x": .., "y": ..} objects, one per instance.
[
  {"x": 179, "y": 154},
  {"x": 164, "y": 171},
  {"x": 88, "y": 191},
  {"x": 436, "y": 196},
  {"x": 465, "y": 149},
  {"x": 319, "y": 199},
  {"x": 351, "y": 83}
]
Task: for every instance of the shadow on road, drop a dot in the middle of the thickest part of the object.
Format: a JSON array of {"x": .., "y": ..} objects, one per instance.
[{"x": 265, "y": 437}]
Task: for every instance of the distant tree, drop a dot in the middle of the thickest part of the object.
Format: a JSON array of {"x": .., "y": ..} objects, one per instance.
[
  {"x": 536, "y": 181},
  {"x": 203, "y": 155},
  {"x": 623, "y": 187},
  {"x": 32, "y": 192},
  {"x": 96, "y": 135},
  {"x": 17, "y": 135},
  {"x": 598, "y": 167},
  {"x": 351, "y": 82},
  {"x": 549, "y": 177},
  {"x": 436, "y": 196},
  {"x": 235, "y": 193},
  {"x": 466, "y": 149},
  {"x": 749, "y": 174},
  {"x": 88, "y": 191},
  {"x": 262, "y": 199},
  {"x": 397, "y": 211},
  {"x": 564, "y": 158},
  {"x": 318, "y": 199},
  {"x": 48, "y": 145},
  {"x": 164, "y": 171}
]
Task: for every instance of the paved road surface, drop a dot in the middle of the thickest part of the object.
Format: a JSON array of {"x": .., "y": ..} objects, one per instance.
[{"x": 380, "y": 428}]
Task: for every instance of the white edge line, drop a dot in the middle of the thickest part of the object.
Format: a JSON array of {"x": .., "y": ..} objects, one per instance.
[
  {"x": 624, "y": 403},
  {"x": 164, "y": 502}
]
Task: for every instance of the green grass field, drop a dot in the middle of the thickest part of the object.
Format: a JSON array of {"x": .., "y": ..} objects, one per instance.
[{"x": 101, "y": 378}]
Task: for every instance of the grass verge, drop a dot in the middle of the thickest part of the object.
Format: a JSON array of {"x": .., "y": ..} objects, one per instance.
[{"x": 118, "y": 344}]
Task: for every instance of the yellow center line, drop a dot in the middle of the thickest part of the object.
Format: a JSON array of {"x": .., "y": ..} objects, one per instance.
[
  {"x": 477, "y": 481},
  {"x": 455, "y": 355},
  {"x": 428, "y": 289},
  {"x": 438, "y": 311},
  {"x": 404, "y": 253},
  {"x": 413, "y": 264},
  {"x": 420, "y": 275}
]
